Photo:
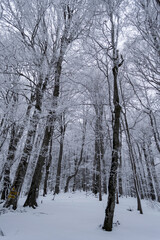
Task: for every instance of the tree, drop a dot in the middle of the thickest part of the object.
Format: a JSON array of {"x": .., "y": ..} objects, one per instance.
[
  {"x": 117, "y": 62},
  {"x": 70, "y": 13}
]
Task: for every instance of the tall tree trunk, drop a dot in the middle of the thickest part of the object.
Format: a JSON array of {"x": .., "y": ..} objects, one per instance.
[
  {"x": 112, "y": 186},
  {"x": 133, "y": 165},
  {"x": 99, "y": 151},
  {"x": 109, "y": 212},
  {"x": 58, "y": 175},
  {"x": 48, "y": 164},
  {"x": 120, "y": 186}
]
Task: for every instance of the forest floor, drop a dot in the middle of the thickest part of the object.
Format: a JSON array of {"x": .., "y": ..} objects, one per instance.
[{"x": 79, "y": 217}]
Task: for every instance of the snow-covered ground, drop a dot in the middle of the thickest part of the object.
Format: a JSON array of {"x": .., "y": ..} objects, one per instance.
[{"x": 79, "y": 217}]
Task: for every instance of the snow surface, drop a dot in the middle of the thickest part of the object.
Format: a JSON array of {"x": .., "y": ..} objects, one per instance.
[{"x": 79, "y": 217}]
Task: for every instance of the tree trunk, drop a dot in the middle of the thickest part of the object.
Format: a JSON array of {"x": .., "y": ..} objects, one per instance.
[
  {"x": 48, "y": 164},
  {"x": 150, "y": 180},
  {"x": 49, "y": 129},
  {"x": 99, "y": 152},
  {"x": 22, "y": 167},
  {"x": 23, "y": 164},
  {"x": 36, "y": 180},
  {"x": 58, "y": 176},
  {"x": 120, "y": 186},
  {"x": 133, "y": 165},
  {"x": 14, "y": 140},
  {"x": 109, "y": 212}
]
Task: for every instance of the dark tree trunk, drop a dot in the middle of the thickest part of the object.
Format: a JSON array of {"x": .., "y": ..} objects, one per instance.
[
  {"x": 109, "y": 212},
  {"x": 48, "y": 164},
  {"x": 84, "y": 176},
  {"x": 112, "y": 186},
  {"x": 99, "y": 152},
  {"x": 6, "y": 183},
  {"x": 120, "y": 186},
  {"x": 58, "y": 175},
  {"x": 36, "y": 180}
]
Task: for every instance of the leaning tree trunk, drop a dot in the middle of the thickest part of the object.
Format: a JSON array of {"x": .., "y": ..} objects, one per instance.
[
  {"x": 23, "y": 164},
  {"x": 36, "y": 180},
  {"x": 22, "y": 167},
  {"x": 133, "y": 165},
  {"x": 14, "y": 140}
]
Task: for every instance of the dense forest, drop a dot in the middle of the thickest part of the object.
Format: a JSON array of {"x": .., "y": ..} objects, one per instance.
[{"x": 80, "y": 100}]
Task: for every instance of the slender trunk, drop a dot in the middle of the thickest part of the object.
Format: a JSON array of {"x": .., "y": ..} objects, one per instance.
[
  {"x": 144, "y": 178},
  {"x": 58, "y": 175},
  {"x": 150, "y": 180},
  {"x": 99, "y": 152},
  {"x": 109, "y": 212},
  {"x": 133, "y": 165},
  {"x": 47, "y": 170},
  {"x": 154, "y": 173},
  {"x": 112, "y": 186}
]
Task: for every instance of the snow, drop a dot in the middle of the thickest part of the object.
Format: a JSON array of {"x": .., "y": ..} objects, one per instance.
[{"x": 79, "y": 217}]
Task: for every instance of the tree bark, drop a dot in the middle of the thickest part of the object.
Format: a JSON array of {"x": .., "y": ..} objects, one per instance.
[
  {"x": 109, "y": 212},
  {"x": 36, "y": 180},
  {"x": 48, "y": 164},
  {"x": 58, "y": 175}
]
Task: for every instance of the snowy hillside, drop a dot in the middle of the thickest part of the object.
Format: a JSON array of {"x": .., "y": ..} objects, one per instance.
[{"x": 79, "y": 217}]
